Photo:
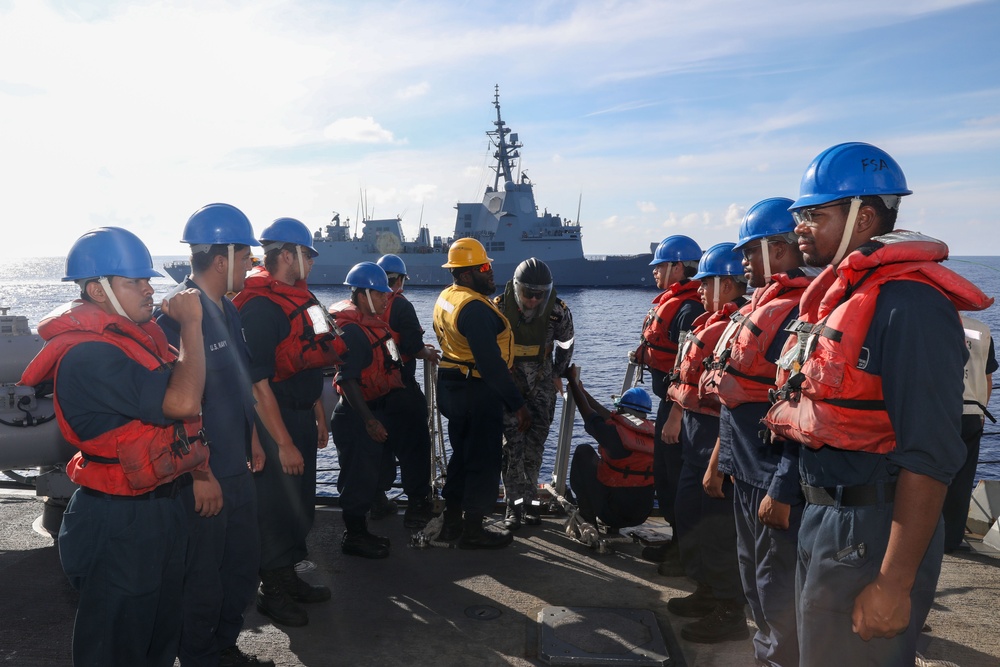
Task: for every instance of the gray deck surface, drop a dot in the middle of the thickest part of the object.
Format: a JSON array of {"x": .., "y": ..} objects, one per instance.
[{"x": 439, "y": 606}]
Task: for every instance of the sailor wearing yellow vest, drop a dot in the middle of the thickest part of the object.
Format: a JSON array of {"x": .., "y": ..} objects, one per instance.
[{"x": 474, "y": 385}]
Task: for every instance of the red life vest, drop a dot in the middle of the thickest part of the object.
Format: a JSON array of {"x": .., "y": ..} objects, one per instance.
[
  {"x": 696, "y": 352},
  {"x": 740, "y": 372},
  {"x": 383, "y": 374},
  {"x": 136, "y": 457},
  {"x": 825, "y": 399},
  {"x": 656, "y": 350},
  {"x": 395, "y": 334},
  {"x": 302, "y": 349},
  {"x": 636, "y": 469}
]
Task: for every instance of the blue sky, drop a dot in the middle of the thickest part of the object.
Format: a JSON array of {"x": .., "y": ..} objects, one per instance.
[{"x": 668, "y": 117}]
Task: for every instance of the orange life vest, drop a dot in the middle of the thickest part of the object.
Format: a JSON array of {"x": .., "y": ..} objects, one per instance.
[
  {"x": 303, "y": 348},
  {"x": 395, "y": 334},
  {"x": 636, "y": 469},
  {"x": 825, "y": 398},
  {"x": 135, "y": 457},
  {"x": 740, "y": 371},
  {"x": 383, "y": 374},
  {"x": 696, "y": 351},
  {"x": 656, "y": 350}
]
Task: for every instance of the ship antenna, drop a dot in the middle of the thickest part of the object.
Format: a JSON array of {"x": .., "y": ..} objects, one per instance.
[
  {"x": 579, "y": 205},
  {"x": 503, "y": 153}
]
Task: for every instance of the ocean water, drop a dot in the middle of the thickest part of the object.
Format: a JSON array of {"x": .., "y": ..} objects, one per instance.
[{"x": 607, "y": 325}]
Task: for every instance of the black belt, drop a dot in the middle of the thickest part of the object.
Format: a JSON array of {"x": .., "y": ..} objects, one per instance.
[
  {"x": 850, "y": 496},
  {"x": 168, "y": 490}
]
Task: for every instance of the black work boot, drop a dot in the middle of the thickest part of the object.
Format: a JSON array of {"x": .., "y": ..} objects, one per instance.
[
  {"x": 452, "y": 528},
  {"x": 533, "y": 513},
  {"x": 477, "y": 536},
  {"x": 418, "y": 513},
  {"x": 275, "y": 603},
  {"x": 382, "y": 507},
  {"x": 671, "y": 565},
  {"x": 358, "y": 541},
  {"x": 512, "y": 519},
  {"x": 698, "y": 604},
  {"x": 299, "y": 590},
  {"x": 726, "y": 623}
]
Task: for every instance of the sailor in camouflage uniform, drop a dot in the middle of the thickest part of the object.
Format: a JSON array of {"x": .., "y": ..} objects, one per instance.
[{"x": 543, "y": 349}]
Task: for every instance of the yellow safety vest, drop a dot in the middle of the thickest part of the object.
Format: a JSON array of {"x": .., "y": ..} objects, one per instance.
[{"x": 455, "y": 351}]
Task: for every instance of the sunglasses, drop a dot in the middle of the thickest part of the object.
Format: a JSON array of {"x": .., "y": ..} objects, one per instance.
[
  {"x": 532, "y": 293},
  {"x": 804, "y": 216},
  {"x": 485, "y": 268}
]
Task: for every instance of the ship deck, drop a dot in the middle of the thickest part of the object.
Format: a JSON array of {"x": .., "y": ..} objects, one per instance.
[{"x": 438, "y": 606}]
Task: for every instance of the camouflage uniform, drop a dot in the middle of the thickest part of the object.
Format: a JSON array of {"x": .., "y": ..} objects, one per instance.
[{"x": 522, "y": 452}]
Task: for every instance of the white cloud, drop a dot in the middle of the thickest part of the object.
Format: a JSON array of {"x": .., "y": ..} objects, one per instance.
[
  {"x": 357, "y": 130},
  {"x": 646, "y": 206}
]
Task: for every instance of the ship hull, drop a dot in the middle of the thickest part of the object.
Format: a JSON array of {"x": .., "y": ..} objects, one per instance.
[{"x": 331, "y": 268}]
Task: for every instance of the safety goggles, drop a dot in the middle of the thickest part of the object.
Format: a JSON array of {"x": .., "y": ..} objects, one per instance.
[
  {"x": 485, "y": 268},
  {"x": 804, "y": 216},
  {"x": 532, "y": 293},
  {"x": 749, "y": 250}
]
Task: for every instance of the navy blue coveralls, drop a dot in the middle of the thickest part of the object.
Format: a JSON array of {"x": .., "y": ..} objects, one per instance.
[
  {"x": 915, "y": 343},
  {"x": 224, "y": 550},
  {"x": 667, "y": 459},
  {"x": 124, "y": 555},
  {"x": 620, "y": 506},
  {"x": 361, "y": 458},
  {"x": 767, "y": 556},
  {"x": 705, "y": 525},
  {"x": 406, "y": 411},
  {"x": 474, "y": 409},
  {"x": 286, "y": 504}
]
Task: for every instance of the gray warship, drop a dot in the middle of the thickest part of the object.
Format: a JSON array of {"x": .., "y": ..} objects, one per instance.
[{"x": 506, "y": 222}]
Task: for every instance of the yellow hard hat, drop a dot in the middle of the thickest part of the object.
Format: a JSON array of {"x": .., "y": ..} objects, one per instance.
[{"x": 466, "y": 252}]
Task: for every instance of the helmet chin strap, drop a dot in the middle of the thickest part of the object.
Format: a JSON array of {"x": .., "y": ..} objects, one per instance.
[
  {"x": 229, "y": 274},
  {"x": 716, "y": 281},
  {"x": 766, "y": 258},
  {"x": 371, "y": 306},
  {"x": 852, "y": 218},
  {"x": 302, "y": 263},
  {"x": 112, "y": 299}
]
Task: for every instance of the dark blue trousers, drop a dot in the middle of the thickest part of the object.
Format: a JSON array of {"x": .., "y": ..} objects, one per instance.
[
  {"x": 126, "y": 558},
  {"x": 706, "y": 530},
  {"x": 361, "y": 458},
  {"x": 767, "y": 560},
  {"x": 832, "y": 572},
  {"x": 410, "y": 442},
  {"x": 667, "y": 462},
  {"x": 475, "y": 429},
  {"x": 220, "y": 579},
  {"x": 286, "y": 504}
]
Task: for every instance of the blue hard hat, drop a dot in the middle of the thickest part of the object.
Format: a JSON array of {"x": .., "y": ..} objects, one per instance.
[
  {"x": 853, "y": 169},
  {"x": 722, "y": 259},
  {"x": 218, "y": 224},
  {"x": 392, "y": 264},
  {"x": 368, "y": 275},
  {"x": 676, "y": 248},
  {"x": 768, "y": 217},
  {"x": 636, "y": 398},
  {"x": 288, "y": 230},
  {"x": 109, "y": 251}
]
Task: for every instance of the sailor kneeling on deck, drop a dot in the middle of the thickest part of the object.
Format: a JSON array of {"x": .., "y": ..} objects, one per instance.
[{"x": 616, "y": 485}]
